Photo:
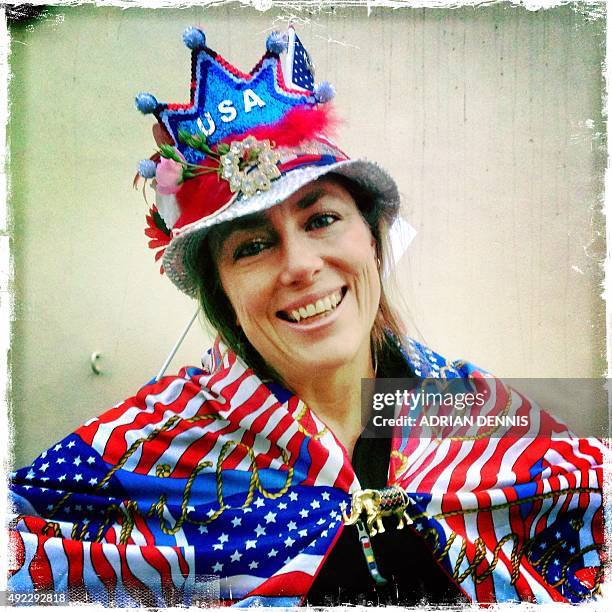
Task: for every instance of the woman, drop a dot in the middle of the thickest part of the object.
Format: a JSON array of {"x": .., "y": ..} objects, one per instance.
[
  {"x": 253, "y": 481},
  {"x": 303, "y": 286}
]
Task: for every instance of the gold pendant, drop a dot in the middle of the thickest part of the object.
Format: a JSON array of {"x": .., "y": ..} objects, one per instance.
[{"x": 375, "y": 503}]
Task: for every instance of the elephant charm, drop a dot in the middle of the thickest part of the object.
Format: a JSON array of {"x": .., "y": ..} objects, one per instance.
[{"x": 376, "y": 504}]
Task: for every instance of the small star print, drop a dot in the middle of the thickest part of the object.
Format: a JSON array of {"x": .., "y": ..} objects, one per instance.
[{"x": 289, "y": 541}]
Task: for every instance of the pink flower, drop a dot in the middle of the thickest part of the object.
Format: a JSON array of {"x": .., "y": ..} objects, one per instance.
[{"x": 167, "y": 176}]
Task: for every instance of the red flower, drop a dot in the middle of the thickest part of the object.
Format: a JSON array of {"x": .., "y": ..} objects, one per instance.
[{"x": 159, "y": 234}]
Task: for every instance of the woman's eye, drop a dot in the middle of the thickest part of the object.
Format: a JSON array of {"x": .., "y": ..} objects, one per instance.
[
  {"x": 249, "y": 249},
  {"x": 322, "y": 220}
]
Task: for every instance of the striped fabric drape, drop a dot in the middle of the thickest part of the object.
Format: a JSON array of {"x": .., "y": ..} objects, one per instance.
[{"x": 211, "y": 486}]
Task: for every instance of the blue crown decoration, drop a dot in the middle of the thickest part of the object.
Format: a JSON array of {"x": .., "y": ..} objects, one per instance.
[{"x": 226, "y": 102}]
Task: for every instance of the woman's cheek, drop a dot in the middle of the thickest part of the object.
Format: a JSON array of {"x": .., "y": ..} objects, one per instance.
[{"x": 248, "y": 296}]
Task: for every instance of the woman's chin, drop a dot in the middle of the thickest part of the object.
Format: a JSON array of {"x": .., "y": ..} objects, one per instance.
[{"x": 321, "y": 359}]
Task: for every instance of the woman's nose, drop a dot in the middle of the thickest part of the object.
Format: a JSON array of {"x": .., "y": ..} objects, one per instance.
[{"x": 301, "y": 261}]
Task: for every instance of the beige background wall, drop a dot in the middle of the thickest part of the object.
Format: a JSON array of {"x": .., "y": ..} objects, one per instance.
[{"x": 490, "y": 119}]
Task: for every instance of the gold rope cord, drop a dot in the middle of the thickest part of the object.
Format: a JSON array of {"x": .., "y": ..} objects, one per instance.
[
  {"x": 125, "y": 514},
  {"x": 517, "y": 502},
  {"x": 301, "y": 413},
  {"x": 133, "y": 448},
  {"x": 480, "y": 554},
  {"x": 598, "y": 578},
  {"x": 403, "y": 467},
  {"x": 112, "y": 509},
  {"x": 255, "y": 482},
  {"x": 158, "y": 507},
  {"x": 52, "y": 527},
  {"x": 515, "y": 559},
  {"x": 517, "y": 551}
]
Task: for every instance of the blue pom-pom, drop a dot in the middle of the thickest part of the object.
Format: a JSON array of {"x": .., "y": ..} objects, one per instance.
[
  {"x": 194, "y": 39},
  {"x": 146, "y": 103},
  {"x": 277, "y": 42},
  {"x": 324, "y": 92},
  {"x": 147, "y": 168}
]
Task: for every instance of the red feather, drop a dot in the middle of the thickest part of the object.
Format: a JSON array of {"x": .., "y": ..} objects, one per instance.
[{"x": 300, "y": 124}]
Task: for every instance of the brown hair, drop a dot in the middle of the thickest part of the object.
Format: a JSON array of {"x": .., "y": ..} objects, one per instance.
[{"x": 220, "y": 314}]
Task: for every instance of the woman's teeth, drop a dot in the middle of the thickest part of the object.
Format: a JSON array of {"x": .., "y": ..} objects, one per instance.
[{"x": 326, "y": 304}]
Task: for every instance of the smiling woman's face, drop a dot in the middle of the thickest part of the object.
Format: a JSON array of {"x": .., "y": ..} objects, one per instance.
[{"x": 303, "y": 281}]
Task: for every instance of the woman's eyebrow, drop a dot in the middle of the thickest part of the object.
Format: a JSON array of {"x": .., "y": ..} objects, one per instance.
[
  {"x": 309, "y": 199},
  {"x": 250, "y": 222},
  {"x": 254, "y": 221}
]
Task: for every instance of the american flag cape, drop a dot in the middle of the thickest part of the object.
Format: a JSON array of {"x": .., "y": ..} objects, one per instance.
[{"x": 211, "y": 486}]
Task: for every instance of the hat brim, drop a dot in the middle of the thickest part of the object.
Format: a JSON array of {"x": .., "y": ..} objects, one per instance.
[{"x": 179, "y": 259}]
